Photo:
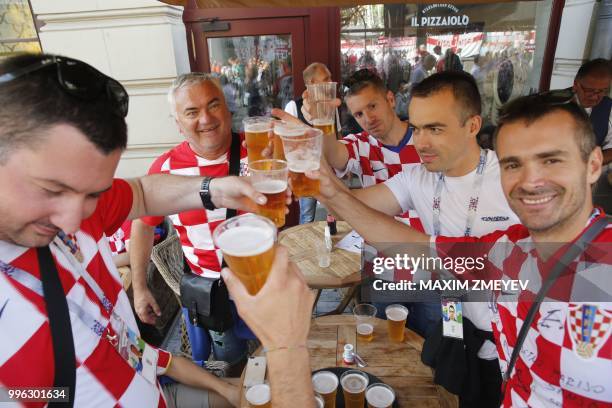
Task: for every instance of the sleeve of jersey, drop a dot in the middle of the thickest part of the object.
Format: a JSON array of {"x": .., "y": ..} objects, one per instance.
[
  {"x": 353, "y": 165},
  {"x": 291, "y": 108},
  {"x": 401, "y": 187},
  {"x": 115, "y": 205},
  {"x": 154, "y": 169},
  {"x": 164, "y": 359}
]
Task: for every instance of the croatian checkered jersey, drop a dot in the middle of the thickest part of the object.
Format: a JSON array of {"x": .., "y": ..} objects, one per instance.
[
  {"x": 103, "y": 377},
  {"x": 566, "y": 358},
  {"x": 195, "y": 227}
]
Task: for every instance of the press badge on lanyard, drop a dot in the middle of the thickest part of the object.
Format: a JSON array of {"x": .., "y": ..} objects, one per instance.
[{"x": 452, "y": 310}]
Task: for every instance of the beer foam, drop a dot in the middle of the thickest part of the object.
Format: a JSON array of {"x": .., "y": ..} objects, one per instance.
[
  {"x": 354, "y": 383},
  {"x": 324, "y": 382},
  {"x": 257, "y": 127},
  {"x": 396, "y": 313},
  {"x": 302, "y": 166},
  {"x": 258, "y": 394},
  {"x": 365, "y": 329},
  {"x": 379, "y": 397},
  {"x": 270, "y": 186},
  {"x": 246, "y": 240}
]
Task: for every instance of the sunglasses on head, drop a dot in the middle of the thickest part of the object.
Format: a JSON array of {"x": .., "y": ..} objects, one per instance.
[{"x": 80, "y": 80}]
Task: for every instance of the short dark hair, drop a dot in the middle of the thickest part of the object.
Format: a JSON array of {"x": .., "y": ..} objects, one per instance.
[
  {"x": 534, "y": 107},
  {"x": 598, "y": 66},
  {"x": 35, "y": 102},
  {"x": 362, "y": 79},
  {"x": 462, "y": 85}
]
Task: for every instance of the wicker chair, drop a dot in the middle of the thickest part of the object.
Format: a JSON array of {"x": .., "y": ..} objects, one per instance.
[{"x": 168, "y": 258}]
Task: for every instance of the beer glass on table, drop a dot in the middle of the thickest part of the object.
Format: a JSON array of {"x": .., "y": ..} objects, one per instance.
[
  {"x": 380, "y": 396},
  {"x": 269, "y": 177},
  {"x": 303, "y": 154},
  {"x": 259, "y": 396},
  {"x": 354, "y": 384},
  {"x": 396, "y": 321},
  {"x": 288, "y": 129},
  {"x": 256, "y": 134},
  {"x": 248, "y": 245},
  {"x": 325, "y": 383},
  {"x": 365, "y": 319}
]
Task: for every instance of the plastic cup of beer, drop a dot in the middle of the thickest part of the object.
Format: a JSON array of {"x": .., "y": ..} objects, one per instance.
[
  {"x": 396, "y": 322},
  {"x": 269, "y": 177},
  {"x": 259, "y": 396},
  {"x": 325, "y": 383},
  {"x": 303, "y": 154},
  {"x": 248, "y": 245},
  {"x": 354, "y": 384},
  {"x": 323, "y": 91},
  {"x": 319, "y": 401},
  {"x": 282, "y": 128},
  {"x": 256, "y": 131},
  {"x": 380, "y": 396},
  {"x": 365, "y": 319}
]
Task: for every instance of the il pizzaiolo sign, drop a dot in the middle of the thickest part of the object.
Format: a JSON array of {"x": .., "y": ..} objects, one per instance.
[{"x": 429, "y": 19}]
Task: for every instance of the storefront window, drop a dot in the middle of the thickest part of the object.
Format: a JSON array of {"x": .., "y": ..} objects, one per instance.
[
  {"x": 17, "y": 29},
  {"x": 501, "y": 45}
]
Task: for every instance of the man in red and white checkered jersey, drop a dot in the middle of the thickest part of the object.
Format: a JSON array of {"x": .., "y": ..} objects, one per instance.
[
  {"x": 548, "y": 161},
  {"x": 384, "y": 148},
  {"x": 65, "y": 204},
  {"x": 198, "y": 105}
]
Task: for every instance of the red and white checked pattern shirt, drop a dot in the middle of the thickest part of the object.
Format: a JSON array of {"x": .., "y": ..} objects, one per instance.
[
  {"x": 375, "y": 163},
  {"x": 565, "y": 360},
  {"x": 103, "y": 377},
  {"x": 195, "y": 227},
  {"x": 120, "y": 240}
]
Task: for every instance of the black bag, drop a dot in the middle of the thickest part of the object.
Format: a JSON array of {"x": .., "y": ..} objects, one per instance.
[{"x": 206, "y": 299}]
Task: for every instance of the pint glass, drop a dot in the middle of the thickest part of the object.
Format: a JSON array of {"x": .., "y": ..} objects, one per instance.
[
  {"x": 354, "y": 384},
  {"x": 380, "y": 396},
  {"x": 325, "y": 125},
  {"x": 325, "y": 383},
  {"x": 269, "y": 177},
  {"x": 256, "y": 130},
  {"x": 258, "y": 396},
  {"x": 319, "y": 401},
  {"x": 282, "y": 128},
  {"x": 365, "y": 319},
  {"x": 303, "y": 154},
  {"x": 247, "y": 242},
  {"x": 396, "y": 321}
]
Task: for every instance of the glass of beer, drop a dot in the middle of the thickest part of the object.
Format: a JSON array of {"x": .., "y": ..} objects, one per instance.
[
  {"x": 269, "y": 177},
  {"x": 256, "y": 131},
  {"x": 282, "y": 128},
  {"x": 380, "y": 396},
  {"x": 319, "y": 401},
  {"x": 303, "y": 154},
  {"x": 259, "y": 396},
  {"x": 396, "y": 321},
  {"x": 354, "y": 384},
  {"x": 365, "y": 318},
  {"x": 323, "y": 91},
  {"x": 248, "y": 243},
  {"x": 325, "y": 383}
]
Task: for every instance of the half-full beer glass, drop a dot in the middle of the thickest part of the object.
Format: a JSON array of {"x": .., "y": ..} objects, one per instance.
[
  {"x": 365, "y": 319},
  {"x": 325, "y": 383},
  {"x": 396, "y": 321},
  {"x": 282, "y": 128},
  {"x": 303, "y": 154},
  {"x": 259, "y": 396},
  {"x": 269, "y": 177},
  {"x": 322, "y": 97},
  {"x": 256, "y": 131},
  {"x": 380, "y": 396},
  {"x": 354, "y": 384},
  {"x": 248, "y": 245}
]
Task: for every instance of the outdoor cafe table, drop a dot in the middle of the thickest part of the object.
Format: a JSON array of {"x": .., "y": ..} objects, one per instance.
[
  {"x": 344, "y": 270},
  {"x": 397, "y": 364}
]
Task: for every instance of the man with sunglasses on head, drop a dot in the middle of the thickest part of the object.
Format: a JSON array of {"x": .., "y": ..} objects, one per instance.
[
  {"x": 548, "y": 162},
  {"x": 65, "y": 319}
]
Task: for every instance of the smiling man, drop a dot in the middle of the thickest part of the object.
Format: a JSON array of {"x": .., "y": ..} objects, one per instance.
[{"x": 198, "y": 105}]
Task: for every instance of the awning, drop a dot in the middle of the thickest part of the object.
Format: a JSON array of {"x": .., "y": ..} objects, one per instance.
[{"x": 203, "y": 4}]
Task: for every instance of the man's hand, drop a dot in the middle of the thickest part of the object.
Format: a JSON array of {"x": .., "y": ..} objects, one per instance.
[
  {"x": 145, "y": 305},
  {"x": 306, "y": 108},
  {"x": 330, "y": 185},
  {"x": 286, "y": 116},
  {"x": 280, "y": 313},
  {"x": 238, "y": 193}
]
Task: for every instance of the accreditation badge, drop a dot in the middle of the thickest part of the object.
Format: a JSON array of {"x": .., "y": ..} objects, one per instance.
[{"x": 452, "y": 318}]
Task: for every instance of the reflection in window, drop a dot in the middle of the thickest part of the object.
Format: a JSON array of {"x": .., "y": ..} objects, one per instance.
[
  {"x": 404, "y": 43},
  {"x": 17, "y": 29},
  {"x": 255, "y": 72}
]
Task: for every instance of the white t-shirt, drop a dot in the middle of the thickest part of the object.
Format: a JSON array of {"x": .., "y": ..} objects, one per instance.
[{"x": 414, "y": 189}]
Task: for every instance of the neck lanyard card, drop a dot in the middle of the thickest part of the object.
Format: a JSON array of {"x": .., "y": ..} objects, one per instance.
[{"x": 452, "y": 318}]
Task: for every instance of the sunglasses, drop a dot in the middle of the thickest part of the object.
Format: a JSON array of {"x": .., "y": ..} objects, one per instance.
[{"x": 80, "y": 80}]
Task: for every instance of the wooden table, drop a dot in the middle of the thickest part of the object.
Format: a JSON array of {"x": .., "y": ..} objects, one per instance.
[
  {"x": 345, "y": 266},
  {"x": 397, "y": 364}
]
